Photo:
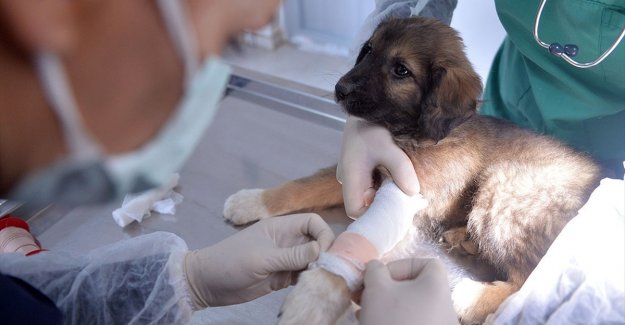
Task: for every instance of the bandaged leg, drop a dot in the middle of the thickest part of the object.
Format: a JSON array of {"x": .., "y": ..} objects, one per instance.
[{"x": 383, "y": 225}]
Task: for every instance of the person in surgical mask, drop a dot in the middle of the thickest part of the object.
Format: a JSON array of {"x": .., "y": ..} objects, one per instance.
[{"x": 76, "y": 77}]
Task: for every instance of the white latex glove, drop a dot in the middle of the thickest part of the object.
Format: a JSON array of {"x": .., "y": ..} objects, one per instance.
[
  {"x": 409, "y": 291},
  {"x": 256, "y": 261},
  {"x": 366, "y": 146}
]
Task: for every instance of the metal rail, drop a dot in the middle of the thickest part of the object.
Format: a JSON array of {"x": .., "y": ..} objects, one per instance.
[{"x": 289, "y": 98}]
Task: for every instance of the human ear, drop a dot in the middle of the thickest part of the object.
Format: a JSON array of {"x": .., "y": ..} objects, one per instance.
[{"x": 40, "y": 25}]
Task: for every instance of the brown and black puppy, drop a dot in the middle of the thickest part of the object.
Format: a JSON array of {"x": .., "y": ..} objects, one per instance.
[{"x": 502, "y": 192}]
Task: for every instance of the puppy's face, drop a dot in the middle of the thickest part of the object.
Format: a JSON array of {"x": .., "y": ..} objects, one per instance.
[{"x": 413, "y": 78}]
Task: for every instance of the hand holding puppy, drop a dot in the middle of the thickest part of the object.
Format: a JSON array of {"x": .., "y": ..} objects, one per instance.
[{"x": 365, "y": 147}]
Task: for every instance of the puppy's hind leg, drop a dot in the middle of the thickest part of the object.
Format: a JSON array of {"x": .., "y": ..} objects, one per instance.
[
  {"x": 474, "y": 300},
  {"x": 316, "y": 192},
  {"x": 458, "y": 240}
]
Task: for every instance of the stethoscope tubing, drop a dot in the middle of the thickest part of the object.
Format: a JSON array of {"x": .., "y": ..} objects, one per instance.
[{"x": 565, "y": 56}]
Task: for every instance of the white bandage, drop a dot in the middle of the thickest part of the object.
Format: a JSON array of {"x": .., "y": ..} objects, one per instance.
[
  {"x": 389, "y": 217},
  {"x": 382, "y": 226},
  {"x": 351, "y": 271}
]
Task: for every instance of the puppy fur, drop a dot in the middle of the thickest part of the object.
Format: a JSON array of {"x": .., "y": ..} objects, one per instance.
[{"x": 508, "y": 190}]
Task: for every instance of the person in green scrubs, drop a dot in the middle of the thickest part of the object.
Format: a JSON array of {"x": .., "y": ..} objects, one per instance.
[{"x": 585, "y": 107}]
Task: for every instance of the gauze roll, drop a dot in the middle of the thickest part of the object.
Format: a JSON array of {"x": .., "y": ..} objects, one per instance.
[
  {"x": 375, "y": 233},
  {"x": 17, "y": 240}
]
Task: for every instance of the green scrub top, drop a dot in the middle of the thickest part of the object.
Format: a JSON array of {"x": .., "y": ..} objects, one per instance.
[{"x": 535, "y": 89}]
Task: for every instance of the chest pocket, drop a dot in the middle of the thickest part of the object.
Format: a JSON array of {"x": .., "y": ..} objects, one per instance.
[{"x": 612, "y": 24}]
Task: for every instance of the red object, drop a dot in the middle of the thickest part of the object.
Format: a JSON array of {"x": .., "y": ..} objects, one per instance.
[
  {"x": 11, "y": 221},
  {"x": 37, "y": 251}
]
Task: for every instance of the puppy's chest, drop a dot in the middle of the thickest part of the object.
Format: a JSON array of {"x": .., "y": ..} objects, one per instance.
[{"x": 448, "y": 208}]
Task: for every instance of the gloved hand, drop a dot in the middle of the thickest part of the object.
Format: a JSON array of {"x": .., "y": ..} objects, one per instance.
[
  {"x": 409, "y": 291},
  {"x": 366, "y": 146},
  {"x": 259, "y": 259}
]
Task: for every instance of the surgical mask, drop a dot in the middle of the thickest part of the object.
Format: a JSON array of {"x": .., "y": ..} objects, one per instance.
[{"x": 88, "y": 175}]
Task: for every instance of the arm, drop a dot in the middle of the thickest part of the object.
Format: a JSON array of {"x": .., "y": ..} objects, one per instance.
[
  {"x": 134, "y": 279},
  {"x": 440, "y": 9},
  {"x": 20, "y": 303},
  {"x": 153, "y": 277}
]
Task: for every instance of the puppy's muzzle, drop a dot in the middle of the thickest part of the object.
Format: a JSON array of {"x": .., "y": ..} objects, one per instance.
[{"x": 342, "y": 90}]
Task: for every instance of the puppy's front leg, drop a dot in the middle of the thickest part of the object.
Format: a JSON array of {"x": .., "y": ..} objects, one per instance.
[
  {"x": 321, "y": 295},
  {"x": 316, "y": 192},
  {"x": 319, "y": 298}
]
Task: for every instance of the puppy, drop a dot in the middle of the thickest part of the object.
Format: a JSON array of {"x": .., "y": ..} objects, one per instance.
[{"x": 499, "y": 193}]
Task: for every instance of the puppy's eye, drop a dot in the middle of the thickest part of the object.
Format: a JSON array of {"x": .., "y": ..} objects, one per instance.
[{"x": 401, "y": 71}]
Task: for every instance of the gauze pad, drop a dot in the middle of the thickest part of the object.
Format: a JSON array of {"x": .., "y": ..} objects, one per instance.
[
  {"x": 136, "y": 207},
  {"x": 375, "y": 233}
]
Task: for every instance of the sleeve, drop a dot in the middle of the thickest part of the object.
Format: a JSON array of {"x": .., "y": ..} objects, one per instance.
[
  {"x": 135, "y": 281},
  {"x": 20, "y": 303},
  {"x": 384, "y": 9}
]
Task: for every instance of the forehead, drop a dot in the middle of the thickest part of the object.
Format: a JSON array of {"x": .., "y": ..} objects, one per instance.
[{"x": 401, "y": 41}]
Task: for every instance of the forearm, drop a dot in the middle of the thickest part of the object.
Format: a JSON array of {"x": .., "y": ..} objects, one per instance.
[
  {"x": 440, "y": 9},
  {"x": 382, "y": 226},
  {"x": 110, "y": 285}
]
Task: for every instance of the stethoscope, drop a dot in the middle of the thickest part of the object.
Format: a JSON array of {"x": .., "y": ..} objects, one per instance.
[{"x": 568, "y": 51}]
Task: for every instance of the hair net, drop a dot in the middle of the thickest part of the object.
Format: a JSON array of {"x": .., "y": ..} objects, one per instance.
[
  {"x": 385, "y": 9},
  {"x": 135, "y": 281}
]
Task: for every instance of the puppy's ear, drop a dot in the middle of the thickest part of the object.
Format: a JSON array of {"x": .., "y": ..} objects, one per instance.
[
  {"x": 450, "y": 99},
  {"x": 364, "y": 50}
]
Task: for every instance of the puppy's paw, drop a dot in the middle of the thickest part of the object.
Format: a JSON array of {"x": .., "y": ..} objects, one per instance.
[
  {"x": 319, "y": 297},
  {"x": 245, "y": 206},
  {"x": 474, "y": 300},
  {"x": 466, "y": 295},
  {"x": 457, "y": 241}
]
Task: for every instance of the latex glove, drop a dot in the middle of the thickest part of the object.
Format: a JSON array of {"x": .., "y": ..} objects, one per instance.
[
  {"x": 410, "y": 291},
  {"x": 255, "y": 261},
  {"x": 366, "y": 146}
]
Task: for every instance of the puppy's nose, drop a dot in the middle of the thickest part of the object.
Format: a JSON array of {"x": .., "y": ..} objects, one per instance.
[{"x": 342, "y": 90}]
